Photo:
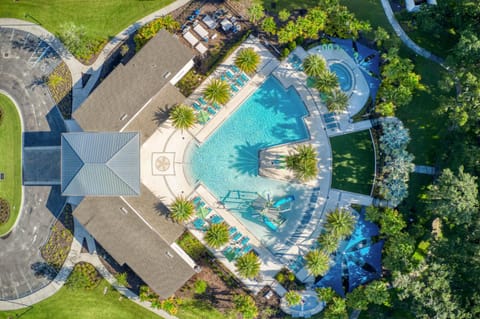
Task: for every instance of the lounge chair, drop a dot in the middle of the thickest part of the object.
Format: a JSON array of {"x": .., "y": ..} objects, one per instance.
[
  {"x": 235, "y": 68},
  {"x": 244, "y": 77},
  {"x": 196, "y": 106},
  {"x": 202, "y": 101},
  {"x": 227, "y": 250},
  {"x": 211, "y": 111},
  {"x": 246, "y": 249},
  {"x": 199, "y": 224},
  {"x": 234, "y": 88},
  {"x": 245, "y": 241},
  {"x": 239, "y": 82},
  {"x": 232, "y": 230},
  {"x": 229, "y": 75},
  {"x": 223, "y": 78},
  {"x": 237, "y": 237},
  {"x": 217, "y": 219},
  {"x": 196, "y": 200},
  {"x": 216, "y": 106}
]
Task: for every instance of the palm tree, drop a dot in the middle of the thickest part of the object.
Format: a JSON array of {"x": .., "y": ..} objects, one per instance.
[
  {"x": 337, "y": 101},
  {"x": 326, "y": 82},
  {"x": 293, "y": 298},
  {"x": 340, "y": 222},
  {"x": 247, "y": 60},
  {"x": 314, "y": 65},
  {"x": 303, "y": 162},
  {"x": 217, "y": 91},
  {"x": 317, "y": 262},
  {"x": 248, "y": 265},
  {"x": 217, "y": 235},
  {"x": 181, "y": 209},
  {"x": 182, "y": 116},
  {"x": 328, "y": 242}
]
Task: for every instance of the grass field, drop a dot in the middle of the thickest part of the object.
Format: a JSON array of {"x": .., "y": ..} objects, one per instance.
[
  {"x": 101, "y": 19},
  {"x": 10, "y": 160},
  {"x": 85, "y": 304},
  {"x": 353, "y": 162}
]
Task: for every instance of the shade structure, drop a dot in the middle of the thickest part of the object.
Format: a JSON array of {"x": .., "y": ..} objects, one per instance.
[
  {"x": 202, "y": 117},
  {"x": 202, "y": 212},
  {"x": 201, "y": 48},
  {"x": 333, "y": 279},
  {"x": 201, "y": 31}
]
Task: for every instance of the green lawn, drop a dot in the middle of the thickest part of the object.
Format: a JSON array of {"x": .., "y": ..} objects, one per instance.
[
  {"x": 197, "y": 309},
  {"x": 101, "y": 19},
  {"x": 10, "y": 159},
  {"x": 353, "y": 162},
  {"x": 84, "y": 304},
  {"x": 288, "y": 4}
]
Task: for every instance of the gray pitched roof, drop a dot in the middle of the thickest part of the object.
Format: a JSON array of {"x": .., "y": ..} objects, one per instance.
[
  {"x": 100, "y": 164},
  {"x": 129, "y": 240},
  {"x": 129, "y": 87}
]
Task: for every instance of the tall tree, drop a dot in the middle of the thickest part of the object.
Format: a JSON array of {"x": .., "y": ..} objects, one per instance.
[
  {"x": 245, "y": 305},
  {"x": 217, "y": 235},
  {"x": 326, "y": 82},
  {"x": 182, "y": 116},
  {"x": 217, "y": 91},
  {"x": 256, "y": 12},
  {"x": 314, "y": 65},
  {"x": 340, "y": 222},
  {"x": 337, "y": 101},
  {"x": 247, "y": 60},
  {"x": 181, "y": 209},
  {"x": 248, "y": 265},
  {"x": 454, "y": 198},
  {"x": 317, "y": 262}
]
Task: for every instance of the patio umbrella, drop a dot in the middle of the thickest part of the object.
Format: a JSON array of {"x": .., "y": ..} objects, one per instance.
[
  {"x": 202, "y": 212},
  {"x": 202, "y": 117}
]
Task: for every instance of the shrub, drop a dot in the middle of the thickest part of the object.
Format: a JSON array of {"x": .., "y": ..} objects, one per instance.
[
  {"x": 4, "y": 211},
  {"x": 84, "y": 275},
  {"x": 149, "y": 30},
  {"x": 122, "y": 279},
  {"x": 245, "y": 305},
  {"x": 247, "y": 60},
  {"x": 293, "y": 298},
  {"x": 200, "y": 286}
]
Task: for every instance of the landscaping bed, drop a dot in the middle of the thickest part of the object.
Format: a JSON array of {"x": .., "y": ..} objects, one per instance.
[
  {"x": 57, "y": 248},
  {"x": 10, "y": 165},
  {"x": 60, "y": 86}
]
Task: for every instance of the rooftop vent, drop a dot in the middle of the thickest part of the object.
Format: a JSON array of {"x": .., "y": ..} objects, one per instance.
[
  {"x": 124, "y": 117},
  {"x": 124, "y": 210},
  {"x": 167, "y": 74},
  {"x": 169, "y": 254}
]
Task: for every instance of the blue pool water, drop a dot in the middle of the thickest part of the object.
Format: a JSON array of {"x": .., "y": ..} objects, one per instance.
[
  {"x": 227, "y": 162},
  {"x": 344, "y": 77}
]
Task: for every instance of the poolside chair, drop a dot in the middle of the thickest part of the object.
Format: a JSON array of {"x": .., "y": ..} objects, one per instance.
[
  {"x": 229, "y": 75},
  {"x": 237, "y": 252},
  {"x": 202, "y": 101},
  {"x": 234, "y": 88},
  {"x": 196, "y": 200},
  {"x": 199, "y": 224},
  {"x": 244, "y": 77},
  {"x": 227, "y": 251},
  {"x": 239, "y": 82},
  {"x": 235, "y": 68},
  {"x": 245, "y": 241},
  {"x": 246, "y": 249},
  {"x": 223, "y": 78},
  {"x": 216, "y": 219},
  {"x": 232, "y": 230},
  {"x": 196, "y": 106},
  {"x": 237, "y": 237},
  {"x": 211, "y": 111},
  {"x": 216, "y": 106}
]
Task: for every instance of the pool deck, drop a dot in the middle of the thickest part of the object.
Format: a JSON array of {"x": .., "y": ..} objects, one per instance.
[{"x": 168, "y": 147}]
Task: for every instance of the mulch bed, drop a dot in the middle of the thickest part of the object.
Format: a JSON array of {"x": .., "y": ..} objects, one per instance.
[
  {"x": 56, "y": 250},
  {"x": 62, "y": 92},
  {"x": 4, "y": 211}
]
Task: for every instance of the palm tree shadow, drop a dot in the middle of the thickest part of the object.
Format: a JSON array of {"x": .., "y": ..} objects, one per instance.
[
  {"x": 161, "y": 115},
  {"x": 246, "y": 159}
]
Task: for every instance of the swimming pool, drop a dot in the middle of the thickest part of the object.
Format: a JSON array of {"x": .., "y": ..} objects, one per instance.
[
  {"x": 343, "y": 75},
  {"x": 227, "y": 162}
]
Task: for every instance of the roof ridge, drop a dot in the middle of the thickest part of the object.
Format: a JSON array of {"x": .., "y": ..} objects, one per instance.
[
  {"x": 107, "y": 163},
  {"x": 120, "y": 178},
  {"x": 64, "y": 187}
]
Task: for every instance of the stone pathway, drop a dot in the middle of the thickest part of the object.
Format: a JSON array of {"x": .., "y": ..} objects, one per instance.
[
  {"x": 405, "y": 38},
  {"x": 79, "y": 92}
]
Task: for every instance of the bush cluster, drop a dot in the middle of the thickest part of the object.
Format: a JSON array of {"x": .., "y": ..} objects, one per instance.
[{"x": 4, "y": 211}]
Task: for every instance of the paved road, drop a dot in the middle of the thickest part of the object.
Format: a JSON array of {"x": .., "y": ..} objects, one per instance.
[{"x": 21, "y": 74}]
